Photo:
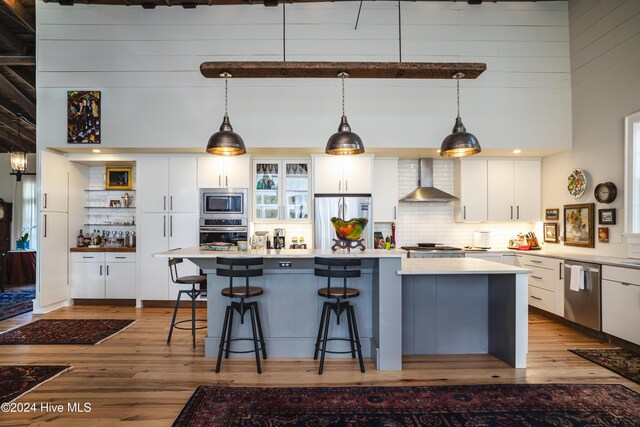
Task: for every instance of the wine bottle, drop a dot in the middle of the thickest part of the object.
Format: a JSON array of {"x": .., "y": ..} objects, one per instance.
[{"x": 80, "y": 242}]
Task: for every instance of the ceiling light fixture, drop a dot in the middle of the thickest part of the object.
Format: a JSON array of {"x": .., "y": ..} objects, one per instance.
[
  {"x": 460, "y": 143},
  {"x": 517, "y": 151},
  {"x": 226, "y": 142},
  {"x": 18, "y": 159},
  {"x": 344, "y": 142},
  {"x": 95, "y": 150}
]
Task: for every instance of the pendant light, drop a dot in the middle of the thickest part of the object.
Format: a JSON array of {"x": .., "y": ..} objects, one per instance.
[
  {"x": 344, "y": 142},
  {"x": 226, "y": 142},
  {"x": 460, "y": 143},
  {"x": 18, "y": 158}
]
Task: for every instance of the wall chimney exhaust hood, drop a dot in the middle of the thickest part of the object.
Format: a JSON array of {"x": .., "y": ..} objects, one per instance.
[{"x": 426, "y": 192}]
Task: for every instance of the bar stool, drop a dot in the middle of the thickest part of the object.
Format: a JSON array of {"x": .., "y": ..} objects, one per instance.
[
  {"x": 241, "y": 292},
  {"x": 340, "y": 295},
  {"x": 201, "y": 289}
]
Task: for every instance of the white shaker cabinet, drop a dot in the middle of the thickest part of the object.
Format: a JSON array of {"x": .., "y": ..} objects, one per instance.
[
  {"x": 54, "y": 182},
  {"x": 471, "y": 189},
  {"x": 224, "y": 172},
  {"x": 513, "y": 190},
  {"x": 99, "y": 275},
  {"x": 167, "y": 184},
  {"x": 342, "y": 174},
  {"x": 385, "y": 189},
  {"x": 621, "y": 302}
]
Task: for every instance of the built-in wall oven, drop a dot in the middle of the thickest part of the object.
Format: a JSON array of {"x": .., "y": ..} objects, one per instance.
[
  {"x": 224, "y": 217},
  {"x": 223, "y": 230}
]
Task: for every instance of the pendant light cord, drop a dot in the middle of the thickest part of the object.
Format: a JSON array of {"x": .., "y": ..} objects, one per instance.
[
  {"x": 226, "y": 92},
  {"x": 458, "y": 94},
  {"x": 343, "y": 75}
]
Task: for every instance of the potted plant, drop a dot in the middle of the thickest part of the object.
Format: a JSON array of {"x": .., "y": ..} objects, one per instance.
[{"x": 22, "y": 244}]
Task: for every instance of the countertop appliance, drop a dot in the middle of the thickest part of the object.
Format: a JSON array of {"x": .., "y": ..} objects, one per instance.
[
  {"x": 482, "y": 239},
  {"x": 583, "y": 306},
  {"x": 346, "y": 207},
  {"x": 433, "y": 251},
  {"x": 223, "y": 203}
]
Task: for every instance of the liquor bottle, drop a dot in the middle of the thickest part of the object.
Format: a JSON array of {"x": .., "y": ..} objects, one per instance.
[
  {"x": 80, "y": 242},
  {"x": 393, "y": 235}
]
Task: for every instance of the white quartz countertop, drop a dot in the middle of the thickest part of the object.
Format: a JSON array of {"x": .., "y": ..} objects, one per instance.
[
  {"x": 417, "y": 266},
  {"x": 197, "y": 252},
  {"x": 580, "y": 257}
]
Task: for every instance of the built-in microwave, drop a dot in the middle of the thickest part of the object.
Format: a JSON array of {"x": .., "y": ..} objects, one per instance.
[{"x": 227, "y": 203}]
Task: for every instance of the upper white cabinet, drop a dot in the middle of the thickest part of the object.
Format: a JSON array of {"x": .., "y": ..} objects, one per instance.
[
  {"x": 513, "y": 190},
  {"x": 343, "y": 174},
  {"x": 471, "y": 189},
  {"x": 54, "y": 182},
  {"x": 281, "y": 189},
  {"x": 224, "y": 172},
  {"x": 167, "y": 184},
  {"x": 385, "y": 189}
]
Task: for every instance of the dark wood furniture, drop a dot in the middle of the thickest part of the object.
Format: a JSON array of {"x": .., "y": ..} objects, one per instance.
[
  {"x": 19, "y": 267},
  {"x": 339, "y": 303},
  {"x": 198, "y": 287},
  {"x": 242, "y": 293}
]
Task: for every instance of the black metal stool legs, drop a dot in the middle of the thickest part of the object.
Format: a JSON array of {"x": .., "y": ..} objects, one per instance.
[
  {"x": 357, "y": 337},
  {"x": 227, "y": 314},
  {"x": 173, "y": 319}
]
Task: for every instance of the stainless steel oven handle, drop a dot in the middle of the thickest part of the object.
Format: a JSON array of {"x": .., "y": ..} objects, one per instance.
[{"x": 222, "y": 229}]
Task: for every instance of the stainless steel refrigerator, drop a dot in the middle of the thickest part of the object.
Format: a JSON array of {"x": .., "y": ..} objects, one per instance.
[{"x": 346, "y": 207}]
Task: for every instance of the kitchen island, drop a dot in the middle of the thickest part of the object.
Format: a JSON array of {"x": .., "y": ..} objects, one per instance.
[{"x": 290, "y": 307}]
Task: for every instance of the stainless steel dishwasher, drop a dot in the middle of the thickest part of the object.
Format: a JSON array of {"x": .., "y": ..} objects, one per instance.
[{"x": 583, "y": 306}]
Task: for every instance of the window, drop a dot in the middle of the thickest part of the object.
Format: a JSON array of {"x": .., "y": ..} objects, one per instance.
[{"x": 632, "y": 174}]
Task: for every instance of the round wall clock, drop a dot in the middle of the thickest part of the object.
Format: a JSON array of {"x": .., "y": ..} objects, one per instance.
[
  {"x": 606, "y": 192},
  {"x": 576, "y": 183}
]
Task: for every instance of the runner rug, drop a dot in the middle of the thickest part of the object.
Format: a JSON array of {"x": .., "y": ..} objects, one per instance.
[
  {"x": 16, "y": 301},
  {"x": 59, "y": 331},
  {"x": 619, "y": 360},
  {"x": 473, "y": 405},
  {"x": 17, "y": 380}
]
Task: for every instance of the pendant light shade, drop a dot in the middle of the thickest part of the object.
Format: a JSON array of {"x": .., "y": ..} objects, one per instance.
[
  {"x": 344, "y": 142},
  {"x": 460, "y": 143},
  {"x": 226, "y": 142}
]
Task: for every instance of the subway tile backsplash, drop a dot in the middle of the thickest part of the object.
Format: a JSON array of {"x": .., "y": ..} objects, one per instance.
[{"x": 434, "y": 222}]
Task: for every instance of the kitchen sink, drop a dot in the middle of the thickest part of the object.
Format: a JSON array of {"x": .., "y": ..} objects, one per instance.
[{"x": 631, "y": 262}]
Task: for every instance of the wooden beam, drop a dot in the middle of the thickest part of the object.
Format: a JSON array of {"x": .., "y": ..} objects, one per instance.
[
  {"x": 17, "y": 60},
  {"x": 21, "y": 75},
  {"x": 25, "y": 104},
  {"x": 11, "y": 40},
  {"x": 12, "y": 110},
  {"x": 21, "y": 14},
  {"x": 358, "y": 70},
  {"x": 25, "y": 132},
  {"x": 27, "y": 146}
]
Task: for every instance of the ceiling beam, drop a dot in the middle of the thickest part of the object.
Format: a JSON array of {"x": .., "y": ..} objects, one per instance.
[
  {"x": 21, "y": 75},
  {"x": 27, "y": 146},
  {"x": 25, "y": 104},
  {"x": 12, "y": 111},
  {"x": 11, "y": 40},
  {"x": 358, "y": 70},
  {"x": 12, "y": 125},
  {"x": 21, "y": 14},
  {"x": 17, "y": 60}
]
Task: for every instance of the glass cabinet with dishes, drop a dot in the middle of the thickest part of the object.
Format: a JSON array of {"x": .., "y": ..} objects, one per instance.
[{"x": 281, "y": 190}]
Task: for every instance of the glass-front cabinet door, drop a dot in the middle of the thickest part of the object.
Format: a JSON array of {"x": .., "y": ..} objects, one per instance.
[{"x": 281, "y": 190}]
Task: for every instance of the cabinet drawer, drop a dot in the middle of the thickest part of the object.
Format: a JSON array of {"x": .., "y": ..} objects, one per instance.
[
  {"x": 542, "y": 278},
  {"x": 121, "y": 257},
  {"x": 537, "y": 261},
  {"x": 621, "y": 310},
  {"x": 541, "y": 298},
  {"x": 621, "y": 274},
  {"x": 87, "y": 257}
]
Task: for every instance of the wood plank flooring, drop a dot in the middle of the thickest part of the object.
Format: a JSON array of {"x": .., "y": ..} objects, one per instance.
[{"x": 135, "y": 377}]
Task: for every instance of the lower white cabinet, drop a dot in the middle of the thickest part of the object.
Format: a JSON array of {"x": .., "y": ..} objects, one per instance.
[
  {"x": 97, "y": 275},
  {"x": 546, "y": 282},
  {"x": 486, "y": 256},
  {"x": 621, "y": 302}
]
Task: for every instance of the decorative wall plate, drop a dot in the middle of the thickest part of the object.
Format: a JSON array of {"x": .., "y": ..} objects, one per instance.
[{"x": 576, "y": 183}]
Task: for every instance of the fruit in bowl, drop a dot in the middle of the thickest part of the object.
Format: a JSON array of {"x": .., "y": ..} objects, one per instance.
[{"x": 350, "y": 229}]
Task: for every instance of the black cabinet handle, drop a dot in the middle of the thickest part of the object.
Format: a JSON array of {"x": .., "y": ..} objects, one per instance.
[{"x": 539, "y": 299}]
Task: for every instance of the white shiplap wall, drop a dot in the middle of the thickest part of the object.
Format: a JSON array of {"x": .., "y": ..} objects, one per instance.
[
  {"x": 433, "y": 222},
  {"x": 146, "y": 64}
]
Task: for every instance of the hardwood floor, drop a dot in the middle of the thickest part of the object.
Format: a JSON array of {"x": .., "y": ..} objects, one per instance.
[{"x": 135, "y": 377}]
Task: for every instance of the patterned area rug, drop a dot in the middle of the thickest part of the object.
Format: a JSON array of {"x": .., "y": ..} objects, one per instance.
[
  {"x": 16, "y": 301},
  {"x": 622, "y": 362},
  {"x": 477, "y": 405},
  {"x": 17, "y": 380},
  {"x": 77, "y": 331}
]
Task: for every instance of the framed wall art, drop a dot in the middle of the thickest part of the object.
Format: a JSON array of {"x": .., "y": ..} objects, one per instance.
[
  {"x": 550, "y": 232},
  {"x": 603, "y": 234},
  {"x": 83, "y": 117},
  {"x": 607, "y": 216},
  {"x": 552, "y": 214},
  {"x": 119, "y": 179},
  {"x": 579, "y": 225}
]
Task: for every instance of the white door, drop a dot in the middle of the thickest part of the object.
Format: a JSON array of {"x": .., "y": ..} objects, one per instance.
[
  {"x": 120, "y": 280},
  {"x": 153, "y": 236},
  {"x": 237, "y": 172},
  {"x": 473, "y": 190},
  {"x": 500, "y": 190},
  {"x": 527, "y": 183},
  {"x": 54, "y": 182},
  {"x": 151, "y": 184},
  {"x": 357, "y": 172},
  {"x": 385, "y": 190},
  {"x": 183, "y": 184},
  {"x": 53, "y": 249},
  {"x": 87, "y": 279},
  {"x": 183, "y": 233},
  {"x": 327, "y": 174},
  {"x": 210, "y": 172}
]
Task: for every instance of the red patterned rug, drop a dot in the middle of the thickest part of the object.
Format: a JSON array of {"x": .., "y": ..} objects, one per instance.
[
  {"x": 76, "y": 331},
  {"x": 17, "y": 380},
  {"x": 622, "y": 362},
  {"x": 473, "y": 405}
]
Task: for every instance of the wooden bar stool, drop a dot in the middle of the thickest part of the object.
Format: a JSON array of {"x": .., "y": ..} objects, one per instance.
[
  {"x": 198, "y": 287},
  {"x": 339, "y": 295},
  {"x": 241, "y": 292}
]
